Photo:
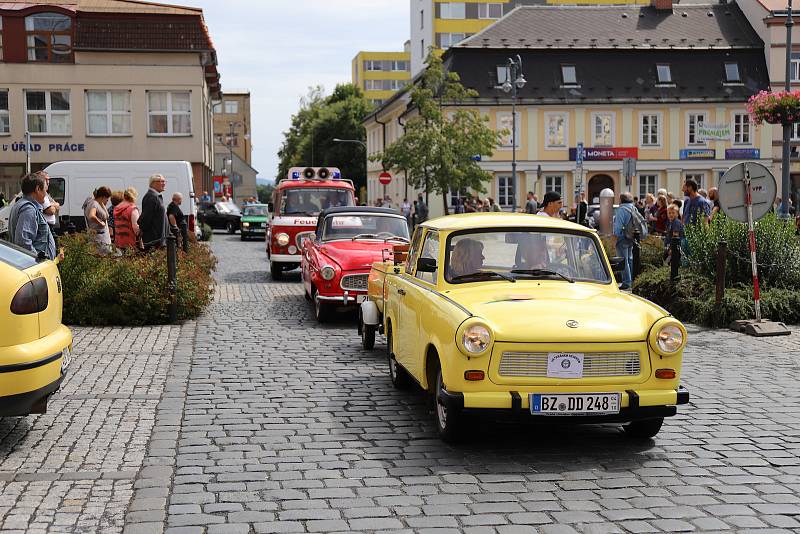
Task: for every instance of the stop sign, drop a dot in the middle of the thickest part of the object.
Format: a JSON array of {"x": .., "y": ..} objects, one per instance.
[{"x": 385, "y": 178}]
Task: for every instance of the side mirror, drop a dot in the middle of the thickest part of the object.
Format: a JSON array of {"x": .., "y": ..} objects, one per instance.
[
  {"x": 426, "y": 265},
  {"x": 617, "y": 265}
]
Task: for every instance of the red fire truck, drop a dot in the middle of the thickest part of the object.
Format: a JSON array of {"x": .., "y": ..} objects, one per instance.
[{"x": 297, "y": 201}]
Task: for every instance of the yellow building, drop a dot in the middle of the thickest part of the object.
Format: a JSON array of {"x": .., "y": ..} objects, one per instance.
[
  {"x": 381, "y": 74},
  {"x": 679, "y": 112}
]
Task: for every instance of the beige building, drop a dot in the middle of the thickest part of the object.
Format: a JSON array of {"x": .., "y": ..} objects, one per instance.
[
  {"x": 87, "y": 84},
  {"x": 232, "y": 114}
]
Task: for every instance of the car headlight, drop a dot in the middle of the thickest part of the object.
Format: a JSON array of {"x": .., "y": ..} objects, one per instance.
[
  {"x": 476, "y": 339},
  {"x": 669, "y": 338},
  {"x": 327, "y": 272},
  {"x": 282, "y": 239},
  {"x": 245, "y": 224}
]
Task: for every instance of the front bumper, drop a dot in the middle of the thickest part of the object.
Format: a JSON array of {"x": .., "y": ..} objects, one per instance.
[
  {"x": 348, "y": 298},
  {"x": 635, "y": 405},
  {"x": 285, "y": 258}
]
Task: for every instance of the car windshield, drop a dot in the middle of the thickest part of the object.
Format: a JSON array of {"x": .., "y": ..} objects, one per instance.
[
  {"x": 311, "y": 201},
  {"x": 255, "y": 211},
  {"x": 356, "y": 226},
  {"x": 524, "y": 254}
]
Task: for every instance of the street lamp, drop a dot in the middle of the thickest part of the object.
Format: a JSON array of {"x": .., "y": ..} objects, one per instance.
[
  {"x": 231, "y": 133},
  {"x": 513, "y": 80},
  {"x": 786, "y": 187}
]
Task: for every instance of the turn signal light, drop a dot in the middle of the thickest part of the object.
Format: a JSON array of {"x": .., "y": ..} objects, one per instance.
[
  {"x": 666, "y": 373},
  {"x": 474, "y": 376}
]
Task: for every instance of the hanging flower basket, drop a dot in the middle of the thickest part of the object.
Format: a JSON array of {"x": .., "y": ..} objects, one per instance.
[{"x": 782, "y": 107}]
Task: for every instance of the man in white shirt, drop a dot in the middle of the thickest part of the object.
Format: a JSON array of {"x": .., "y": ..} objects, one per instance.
[
  {"x": 50, "y": 206},
  {"x": 552, "y": 204}
]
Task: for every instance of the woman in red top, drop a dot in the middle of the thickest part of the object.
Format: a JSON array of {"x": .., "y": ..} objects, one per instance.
[
  {"x": 126, "y": 218},
  {"x": 661, "y": 218}
]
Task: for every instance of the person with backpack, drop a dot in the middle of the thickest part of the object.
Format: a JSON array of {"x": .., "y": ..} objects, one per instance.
[{"x": 626, "y": 222}]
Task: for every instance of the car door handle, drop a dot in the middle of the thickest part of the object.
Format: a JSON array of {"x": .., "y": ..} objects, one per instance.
[{"x": 401, "y": 291}]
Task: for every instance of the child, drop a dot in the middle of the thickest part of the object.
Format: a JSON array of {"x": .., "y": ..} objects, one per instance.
[{"x": 674, "y": 229}]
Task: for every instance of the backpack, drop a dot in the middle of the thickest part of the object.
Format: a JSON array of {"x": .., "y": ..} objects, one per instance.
[{"x": 634, "y": 222}]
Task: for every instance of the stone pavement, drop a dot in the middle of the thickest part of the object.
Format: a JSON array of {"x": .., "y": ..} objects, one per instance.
[{"x": 255, "y": 419}]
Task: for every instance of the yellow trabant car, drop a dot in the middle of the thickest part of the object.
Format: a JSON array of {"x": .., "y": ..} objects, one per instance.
[
  {"x": 522, "y": 314},
  {"x": 35, "y": 348}
]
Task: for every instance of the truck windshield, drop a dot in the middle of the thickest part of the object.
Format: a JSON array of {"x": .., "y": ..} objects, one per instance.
[
  {"x": 524, "y": 254},
  {"x": 354, "y": 226},
  {"x": 312, "y": 200}
]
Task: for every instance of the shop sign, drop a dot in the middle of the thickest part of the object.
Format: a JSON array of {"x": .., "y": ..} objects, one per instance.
[
  {"x": 713, "y": 132},
  {"x": 50, "y": 147},
  {"x": 604, "y": 154},
  {"x": 742, "y": 153},
  {"x": 698, "y": 153}
]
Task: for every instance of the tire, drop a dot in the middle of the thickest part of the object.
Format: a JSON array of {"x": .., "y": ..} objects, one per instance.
[
  {"x": 322, "y": 310},
  {"x": 645, "y": 429},
  {"x": 230, "y": 227},
  {"x": 275, "y": 270},
  {"x": 244, "y": 238},
  {"x": 367, "y": 332},
  {"x": 398, "y": 375},
  {"x": 449, "y": 421}
]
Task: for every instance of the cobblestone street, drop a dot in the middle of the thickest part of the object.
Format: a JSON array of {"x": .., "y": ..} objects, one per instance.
[{"x": 257, "y": 419}]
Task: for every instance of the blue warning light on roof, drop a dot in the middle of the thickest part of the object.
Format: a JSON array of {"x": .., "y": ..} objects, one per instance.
[
  {"x": 337, "y": 175},
  {"x": 295, "y": 175}
]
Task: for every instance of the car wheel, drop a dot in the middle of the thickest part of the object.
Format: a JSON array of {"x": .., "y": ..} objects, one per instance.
[
  {"x": 322, "y": 310},
  {"x": 645, "y": 429},
  {"x": 275, "y": 270},
  {"x": 243, "y": 237},
  {"x": 398, "y": 375},
  {"x": 230, "y": 227},
  {"x": 367, "y": 332},
  {"x": 448, "y": 419}
]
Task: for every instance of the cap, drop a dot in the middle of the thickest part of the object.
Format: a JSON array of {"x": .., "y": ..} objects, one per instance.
[{"x": 551, "y": 196}]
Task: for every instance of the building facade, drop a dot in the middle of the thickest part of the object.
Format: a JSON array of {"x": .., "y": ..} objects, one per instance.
[
  {"x": 381, "y": 74},
  {"x": 233, "y": 136},
  {"x": 110, "y": 80},
  {"x": 665, "y": 88},
  {"x": 442, "y": 24}
]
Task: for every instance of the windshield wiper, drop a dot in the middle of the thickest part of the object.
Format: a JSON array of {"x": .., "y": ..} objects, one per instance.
[
  {"x": 483, "y": 274},
  {"x": 396, "y": 238},
  {"x": 543, "y": 272},
  {"x": 364, "y": 236}
]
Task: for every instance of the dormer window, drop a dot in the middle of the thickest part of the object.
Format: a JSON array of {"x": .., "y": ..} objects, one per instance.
[
  {"x": 664, "y": 74},
  {"x": 49, "y": 37},
  {"x": 732, "y": 73},
  {"x": 568, "y": 75}
]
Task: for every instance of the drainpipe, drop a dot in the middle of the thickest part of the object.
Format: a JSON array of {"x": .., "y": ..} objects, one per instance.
[
  {"x": 405, "y": 172},
  {"x": 383, "y": 124}
]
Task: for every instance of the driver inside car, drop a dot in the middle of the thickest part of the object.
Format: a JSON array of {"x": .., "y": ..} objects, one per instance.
[{"x": 466, "y": 258}]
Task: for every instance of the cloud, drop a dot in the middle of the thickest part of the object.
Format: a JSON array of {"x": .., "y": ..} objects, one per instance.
[{"x": 278, "y": 49}]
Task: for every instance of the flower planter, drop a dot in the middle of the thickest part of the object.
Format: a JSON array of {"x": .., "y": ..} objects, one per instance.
[{"x": 782, "y": 107}]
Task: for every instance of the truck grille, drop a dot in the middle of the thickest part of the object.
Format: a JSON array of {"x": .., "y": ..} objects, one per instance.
[
  {"x": 595, "y": 364},
  {"x": 355, "y": 282}
]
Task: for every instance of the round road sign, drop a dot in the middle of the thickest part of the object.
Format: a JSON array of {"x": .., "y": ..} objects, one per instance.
[
  {"x": 731, "y": 191},
  {"x": 385, "y": 178}
]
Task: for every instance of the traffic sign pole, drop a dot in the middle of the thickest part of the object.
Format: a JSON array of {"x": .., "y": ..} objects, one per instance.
[{"x": 751, "y": 232}]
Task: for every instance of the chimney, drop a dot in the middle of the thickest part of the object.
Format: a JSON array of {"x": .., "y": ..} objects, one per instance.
[{"x": 662, "y": 5}]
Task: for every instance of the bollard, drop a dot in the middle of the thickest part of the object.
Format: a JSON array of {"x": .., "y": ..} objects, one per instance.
[
  {"x": 636, "y": 268},
  {"x": 185, "y": 236},
  {"x": 722, "y": 252},
  {"x": 674, "y": 257},
  {"x": 172, "y": 277}
]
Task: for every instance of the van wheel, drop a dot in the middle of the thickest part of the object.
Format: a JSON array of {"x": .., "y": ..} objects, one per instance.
[
  {"x": 230, "y": 227},
  {"x": 275, "y": 270},
  {"x": 644, "y": 429},
  {"x": 398, "y": 375},
  {"x": 367, "y": 332},
  {"x": 448, "y": 419}
]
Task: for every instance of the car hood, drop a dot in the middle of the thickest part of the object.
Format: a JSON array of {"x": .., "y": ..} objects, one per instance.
[
  {"x": 254, "y": 218},
  {"x": 355, "y": 255},
  {"x": 539, "y": 311}
]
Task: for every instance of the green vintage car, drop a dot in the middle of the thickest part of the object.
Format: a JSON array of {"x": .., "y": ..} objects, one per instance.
[{"x": 255, "y": 218}]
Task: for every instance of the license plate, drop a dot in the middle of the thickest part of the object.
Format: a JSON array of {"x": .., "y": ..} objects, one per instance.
[
  {"x": 66, "y": 359},
  {"x": 361, "y": 298},
  {"x": 574, "y": 403}
]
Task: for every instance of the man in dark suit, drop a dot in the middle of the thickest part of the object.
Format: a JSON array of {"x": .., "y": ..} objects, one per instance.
[{"x": 153, "y": 220}]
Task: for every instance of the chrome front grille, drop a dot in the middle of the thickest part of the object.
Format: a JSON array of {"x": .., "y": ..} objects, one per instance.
[
  {"x": 355, "y": 282},
  {"x": 595, "y": 364}
]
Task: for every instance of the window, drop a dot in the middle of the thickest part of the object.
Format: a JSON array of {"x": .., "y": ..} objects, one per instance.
[
  {"x": 422, "y": 48},
  {"x": 47, "y": 112},
  {"x": 217, "y": 108},
  {"x": 650, "y": 129},
  {"x": 457, "y": 195},
  {"x": 554, "y": 183},
  {"x": 430, "y": 249},
  {"x": 795, "y": 126},
  {"x": 169, "y": 113},
  {"x": 372, "y": 65},
  {"x": 490, "y": 11},
  {"x": 569, "y": 75},
  {"x": 732, "y": 73},
  {"x": 5, "y": 122},
  {"x": 741, "y": 129},
  {"x": 505, "y": 122},
  {"x": 49, "y": 37},
  {"x": 414, "y": 250},
  {"x": 108, "y": 112},
  {"x": 648, "y": 183},
  {"x": 664, "y": 73},
  {"x": 377, "y": 102},
  {"x": 795, "y": 68},
  {"x": 603, "y": 129},
  {"x": 400, "y": 65},
  {"x": 699, "y": 177},
  {"x": 555, "y": 130},
  {"x": 453, "y": 10},
  {"x": 446, "y": 40},
  {"x": 692, "y": 122},
  {"x": 422, "y": 20},
  {"x": 231, "y": 107},
  {"x": 505, "y": 191}
]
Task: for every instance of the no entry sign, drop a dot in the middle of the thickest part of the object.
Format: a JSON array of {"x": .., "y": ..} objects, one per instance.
[{"x": 385, "y": 178}]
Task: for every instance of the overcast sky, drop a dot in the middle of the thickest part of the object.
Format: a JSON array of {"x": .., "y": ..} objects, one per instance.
[{"x": 279, "y": 48}]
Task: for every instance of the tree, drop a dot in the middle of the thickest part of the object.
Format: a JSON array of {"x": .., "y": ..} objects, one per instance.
[
  {"x": 264, "y": 193},
  {"x": 309, "y": 140},
  {"x": 438, "y": 148}
]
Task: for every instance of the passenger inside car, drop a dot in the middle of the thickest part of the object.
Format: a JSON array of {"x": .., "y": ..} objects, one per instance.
[
  {"x": 532, "y": 253},
  {"x": 467, "y": 257}
]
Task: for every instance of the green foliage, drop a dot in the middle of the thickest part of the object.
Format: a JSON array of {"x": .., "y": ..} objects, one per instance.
[
  {"x": 206, "y": 232},
  {"x": 130, "y": 289},
  {"x": 439, "y": 142},
  {"x": 264, "y": 193},
  {"x": 309, "y": 140}
]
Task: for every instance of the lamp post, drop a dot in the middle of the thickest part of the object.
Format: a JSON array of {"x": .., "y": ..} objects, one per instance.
[
  {"x": 786, "y": 186},
  {"x": 231, "y": 133},
  {"x": 513, "y": 81}
]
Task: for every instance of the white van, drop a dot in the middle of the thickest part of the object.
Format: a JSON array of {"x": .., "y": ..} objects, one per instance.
[{"x": 72, "y": 182}]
